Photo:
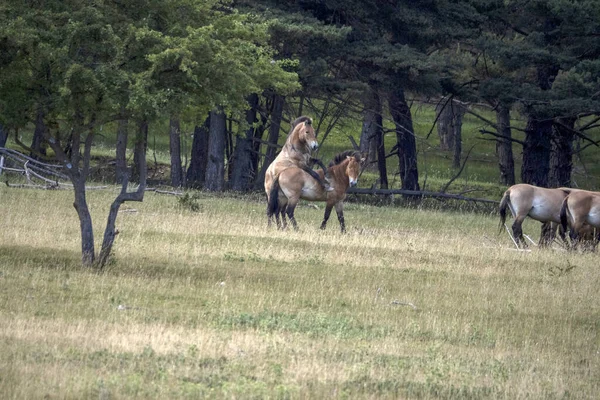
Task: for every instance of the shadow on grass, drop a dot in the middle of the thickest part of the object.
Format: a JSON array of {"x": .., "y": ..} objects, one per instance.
[{"x": 42, "y": 257}]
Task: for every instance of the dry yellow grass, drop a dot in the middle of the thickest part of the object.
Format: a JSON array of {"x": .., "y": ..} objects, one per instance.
[{"x": 212, "y": 304}]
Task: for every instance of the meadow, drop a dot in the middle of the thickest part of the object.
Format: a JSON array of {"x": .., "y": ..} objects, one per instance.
[{"x": 410, "y": 303}]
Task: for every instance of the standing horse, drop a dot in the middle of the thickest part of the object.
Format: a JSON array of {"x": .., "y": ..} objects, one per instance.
[
  {"x": 294, "y": 184},
  {"x": 538, "y": 203},
  {"x": 300, "y": 142},
  {"x": 581, "y": 211}
]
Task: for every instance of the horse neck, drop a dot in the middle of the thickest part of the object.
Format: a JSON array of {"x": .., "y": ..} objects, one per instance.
[{"x": 293, "y": 142}]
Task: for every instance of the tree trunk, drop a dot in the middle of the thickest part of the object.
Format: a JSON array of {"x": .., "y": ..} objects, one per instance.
[
  {"x": 458, "y": 111},
  {"x": 198, "y": 161},
  {"x": 243, "y": 173},
  {"x": 506, "y": 162},
  {"x": 175, "y": 151},
  {"x": 121, "y": 151},
  {"x": 561, "y": 156},
  {"x": 110, "y": 231},
  {"x": 85, "y": 219},
  {"x": 141, "y": 140},
  {"x": 3, "y": 135},
  {"x": 38, "y": 147},
  {"x": 371, "y": 127},
  {"x": 215, "y": 170},
  {"x": 274, "y": 128},
  {"x": 444, "y": 124},
  {"x": 256, "y": 144},
  {"x": 536, "y": 152},
  {"x": 405, "y": 137}
]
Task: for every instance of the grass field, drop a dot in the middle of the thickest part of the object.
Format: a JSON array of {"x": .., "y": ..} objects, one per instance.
[{"x": 411, "y": 303}]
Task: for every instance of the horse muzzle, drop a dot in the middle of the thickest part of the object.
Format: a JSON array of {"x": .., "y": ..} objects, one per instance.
[
  {"x": 314, "y": 145},
  {"x": 353, "y": 182}
]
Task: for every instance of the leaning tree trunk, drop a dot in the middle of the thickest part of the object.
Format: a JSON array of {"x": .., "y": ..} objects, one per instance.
[
  {"x": 110, "y": 231},
  {"x": 273, "y": 138},
  {"x": 405, "y": 137},
  {"x": 199, "y": 157},
  {"x": 561, "y": 156},
  {"x": 536, "y": 152},
  {"x": 175, "y": 151},
  {"x": 243, "y": 173},
  {"x": 121, "y": 151},
  {"x": 3, "y": 135},
  {"x": 371, "y": 127},
  {"x": 506, "y": 162},
  {"x": 215, "y": 170}
]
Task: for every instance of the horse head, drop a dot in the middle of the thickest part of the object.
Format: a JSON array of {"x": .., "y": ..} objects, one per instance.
[
  {"x": 353, "y": 169},
  {"x": 304, "y": 132}
]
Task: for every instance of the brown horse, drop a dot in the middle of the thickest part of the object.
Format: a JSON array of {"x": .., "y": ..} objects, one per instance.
[
  {"x": 294, "y": 184},
  {"x": 296, "y": 152},
  {"x": 580, "y": 211},
  {"x": 538, "y": 203}
]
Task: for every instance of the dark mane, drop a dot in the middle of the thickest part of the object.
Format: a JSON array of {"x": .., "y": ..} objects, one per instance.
[
  {"x": 297, "y": 121},
  {"x": 339, "y": 158}
]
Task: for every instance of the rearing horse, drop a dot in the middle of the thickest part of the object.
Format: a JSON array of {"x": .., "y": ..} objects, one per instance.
[
  {"x": 294, "y": 184},
  {"x": 296, "y": 152}
]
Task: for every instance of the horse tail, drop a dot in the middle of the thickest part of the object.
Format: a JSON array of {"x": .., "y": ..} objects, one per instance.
[
  {"x": 564, "y": 211},
  {"x": 504, "y": 204},
  {"x": 273, "y": 204}
]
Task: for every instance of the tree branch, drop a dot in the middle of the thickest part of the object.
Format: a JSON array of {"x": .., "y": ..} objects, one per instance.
[{"x": 484, "y": 131}]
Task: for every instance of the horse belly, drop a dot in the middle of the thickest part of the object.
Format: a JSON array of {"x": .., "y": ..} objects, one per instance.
[
  {"x": 311, "y": 194},
  {"x": 544, "y": 211},
  {"x": 593, "y": 217}
]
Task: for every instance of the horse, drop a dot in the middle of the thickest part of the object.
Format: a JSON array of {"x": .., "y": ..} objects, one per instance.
[
  {"x": 296, "y": 152},
  {"x": 539, "y": 203},
  {"x": 580, "y": 211},
  {"x": 294, "y": 184}
]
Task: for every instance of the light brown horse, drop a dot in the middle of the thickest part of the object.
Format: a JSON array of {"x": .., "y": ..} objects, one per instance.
[
  {"x": 294, "y": 184},
  {"x": 296, "y": 152},
  {"x": 580, "y": 211},
  {"x": 539, "y": 203}
]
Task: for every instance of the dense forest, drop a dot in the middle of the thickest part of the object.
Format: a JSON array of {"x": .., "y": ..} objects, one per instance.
[{"x": 240, "y": 71}]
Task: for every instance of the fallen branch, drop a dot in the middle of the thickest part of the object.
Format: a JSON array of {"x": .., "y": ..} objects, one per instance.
[
  {"x": 512, "y": 237},
  {"x": 418, "y": 193}
]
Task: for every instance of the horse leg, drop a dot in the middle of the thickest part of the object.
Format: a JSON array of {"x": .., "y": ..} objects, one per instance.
[
  {"x": 328, "y": 209},
  {"x": 563, "y": 236},
  {"x": 518, "y": 231},
  {"x": 283, "y": 219},
  {"x": 574, "y": 235},
  {"x": 291, "y": 207},
  {"x": 339, "y": 209},
  {"x": 547, "y": 234},
  {"x": 316, "y": 176}
]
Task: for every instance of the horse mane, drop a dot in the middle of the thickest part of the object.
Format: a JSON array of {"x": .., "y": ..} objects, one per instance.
[
  {"x": 339, "y": 158},
  {"x": 297, "y": 121}
]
